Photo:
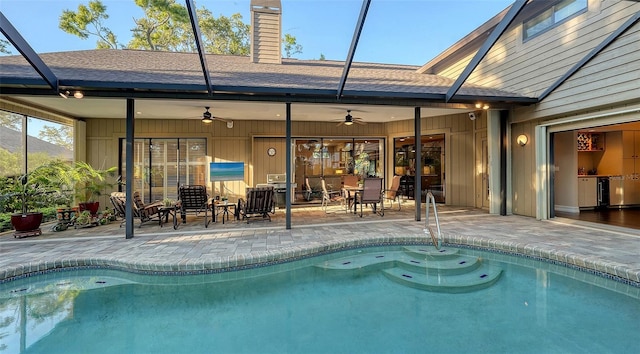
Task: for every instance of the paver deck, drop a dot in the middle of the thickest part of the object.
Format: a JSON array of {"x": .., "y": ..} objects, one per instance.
[{"x": 605, "y": 249}]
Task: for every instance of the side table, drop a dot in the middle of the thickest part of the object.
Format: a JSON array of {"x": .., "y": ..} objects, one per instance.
[
  {"x": 223, "y": 208},
  {"x": 165, "y": 211}
]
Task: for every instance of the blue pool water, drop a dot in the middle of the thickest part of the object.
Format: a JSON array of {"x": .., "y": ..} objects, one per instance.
[{"x": 299, "y": 307}]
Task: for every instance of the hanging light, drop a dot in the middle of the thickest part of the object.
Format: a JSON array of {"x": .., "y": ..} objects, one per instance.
[{"x": 206, "y": 120}]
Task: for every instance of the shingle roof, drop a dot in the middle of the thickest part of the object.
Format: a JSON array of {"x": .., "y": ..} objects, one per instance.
[{"x": 152, "y": 70}]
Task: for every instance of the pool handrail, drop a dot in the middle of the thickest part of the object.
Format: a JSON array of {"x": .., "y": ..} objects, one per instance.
[{"x": 437, "y": 241}]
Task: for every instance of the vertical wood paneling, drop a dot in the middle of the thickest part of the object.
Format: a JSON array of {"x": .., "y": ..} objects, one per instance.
[{"x": 248, "y": 141}]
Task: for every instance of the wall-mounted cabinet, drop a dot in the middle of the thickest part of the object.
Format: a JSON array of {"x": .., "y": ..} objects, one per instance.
[{"x": 590, "y": 141}]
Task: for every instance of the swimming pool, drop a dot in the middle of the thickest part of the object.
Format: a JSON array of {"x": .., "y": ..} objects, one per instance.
[{"x": 314, "y": 306}]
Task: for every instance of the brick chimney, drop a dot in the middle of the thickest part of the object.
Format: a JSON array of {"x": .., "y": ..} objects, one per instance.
[{"x": 266, "y": 31}]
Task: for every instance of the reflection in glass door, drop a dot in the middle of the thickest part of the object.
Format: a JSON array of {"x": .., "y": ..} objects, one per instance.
[{"x": 162, "y": 165}]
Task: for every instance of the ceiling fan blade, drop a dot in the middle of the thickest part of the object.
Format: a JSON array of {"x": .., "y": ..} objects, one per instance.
[
  {"x": 221, "y": 119},
  {"x": 360, "y": 122},
  {"x": 339, "y": 124}
]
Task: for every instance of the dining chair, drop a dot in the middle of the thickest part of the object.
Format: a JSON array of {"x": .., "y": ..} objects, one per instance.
[
  {"x": 372, "y": 193},
  {"x": 393, "y": 193}
]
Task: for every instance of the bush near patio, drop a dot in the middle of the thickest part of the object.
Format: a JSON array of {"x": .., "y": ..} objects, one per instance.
[{"x": 41, "y": 190}]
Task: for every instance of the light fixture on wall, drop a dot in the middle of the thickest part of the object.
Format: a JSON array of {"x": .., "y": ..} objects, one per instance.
[
  {"x": 481, "y": 105},
  {"x": 78, "y": 94},
  {"x": 64, "y": 94},
  {"x": 522, "y": 140}
]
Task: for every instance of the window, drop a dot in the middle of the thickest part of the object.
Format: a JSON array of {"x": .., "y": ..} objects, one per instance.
[
  {"x": 553, "y": 16},
  {"x": 31, "y": 142}
]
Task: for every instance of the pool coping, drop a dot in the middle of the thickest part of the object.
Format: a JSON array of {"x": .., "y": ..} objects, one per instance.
[{"x": 603, "y": 268}]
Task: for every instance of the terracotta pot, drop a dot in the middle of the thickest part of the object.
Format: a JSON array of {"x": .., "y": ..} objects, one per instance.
[
  {"x": 26, "y": 222},
  {"x": 92, "y": 207}
]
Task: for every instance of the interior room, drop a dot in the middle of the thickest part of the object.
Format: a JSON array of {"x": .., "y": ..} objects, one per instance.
[{"x": 597, "y": 174}]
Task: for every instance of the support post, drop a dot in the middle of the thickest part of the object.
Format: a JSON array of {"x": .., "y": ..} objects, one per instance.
[
  {"x": 130, "y": 133},
  {"x": 287, "y": 194},
  {"x": 417, "y": 192}
]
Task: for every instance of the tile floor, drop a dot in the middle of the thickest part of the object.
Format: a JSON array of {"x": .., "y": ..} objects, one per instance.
[{"x": 192, "y": 247}]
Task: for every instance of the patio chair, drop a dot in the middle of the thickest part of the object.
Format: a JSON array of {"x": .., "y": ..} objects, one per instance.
[
  {"x": 393, "y": 193},
  {"x": 308, "y": 192},
  {"x": 141, "y": 211},
  {"x": 195, "y": 199},
  {"x": 372, "y": 193},
  {"x": 259, "y": 202},
  {"x": 330, "y": 196},
  {"x": 350, "y": 181}
]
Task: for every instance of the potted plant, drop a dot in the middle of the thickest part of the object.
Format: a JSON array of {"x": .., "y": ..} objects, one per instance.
[
  {"x": 46, "y": 185},
  {"x": 91, "y": 184}
]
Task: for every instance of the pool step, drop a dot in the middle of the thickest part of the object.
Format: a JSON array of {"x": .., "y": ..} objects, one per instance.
[
  {"x": 423, "y": 268},
  {"x": 477, "y": 279}
]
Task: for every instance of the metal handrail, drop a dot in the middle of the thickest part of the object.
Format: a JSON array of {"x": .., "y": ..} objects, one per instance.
[{"x": 437, "y": 241}]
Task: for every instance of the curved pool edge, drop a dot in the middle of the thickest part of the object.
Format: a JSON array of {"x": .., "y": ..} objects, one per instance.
[{"x": 607, "y": 269}]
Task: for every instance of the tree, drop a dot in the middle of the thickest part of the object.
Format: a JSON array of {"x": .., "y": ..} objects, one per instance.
[
  {"x": 11, "y": 120},
  {"x": 166, "y": 26},
  {"x": 91, "y": 16},
  {"x": 291, "y": 46},
  {"x": 162, "y": 28},
  {"x": 62, "y": 136},
  {"x": 322, "y": 57},
  {"x": 3, "y": 46},
  {"x": 224, "y": 35}
]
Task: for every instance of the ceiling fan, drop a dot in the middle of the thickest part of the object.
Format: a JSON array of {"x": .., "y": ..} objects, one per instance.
[
  {"x": 349, "y": 120},
  {"x": 207, "y": 118}
]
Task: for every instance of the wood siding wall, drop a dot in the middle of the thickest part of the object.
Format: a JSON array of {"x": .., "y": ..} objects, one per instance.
[
  {"x": 531, "y": 67},
  {"x": 248, "y": 141},
  {"x": 523, "y": 169}
]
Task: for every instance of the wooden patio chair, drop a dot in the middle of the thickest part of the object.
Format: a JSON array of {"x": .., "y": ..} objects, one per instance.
[
  {"x": 259, "y": 202},
  {"x": 195, "y": 199},
  {"x": 393, "y": 193},
  {"x": 372, "y": 193},
  {"x": 141, "y": 211}
]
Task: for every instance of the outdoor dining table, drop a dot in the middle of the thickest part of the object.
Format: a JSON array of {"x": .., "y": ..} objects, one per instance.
[{"x": 351, "y": 200}]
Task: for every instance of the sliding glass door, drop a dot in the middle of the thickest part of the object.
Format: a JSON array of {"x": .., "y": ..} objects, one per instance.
[{"x": 162, "y": 165}]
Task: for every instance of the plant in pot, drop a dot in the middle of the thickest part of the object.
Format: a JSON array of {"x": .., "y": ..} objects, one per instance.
[
  {"x": 91, "y": 184},
  {"x": 24, "y": 195}
]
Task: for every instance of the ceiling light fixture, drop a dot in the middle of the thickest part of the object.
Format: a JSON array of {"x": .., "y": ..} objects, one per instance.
[
  {"x": 78, "y": 94},
  {"x": 206, "y": 116}
]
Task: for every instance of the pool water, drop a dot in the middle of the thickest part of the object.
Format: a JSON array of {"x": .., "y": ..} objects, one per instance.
[{"x": 299, "y": 307}]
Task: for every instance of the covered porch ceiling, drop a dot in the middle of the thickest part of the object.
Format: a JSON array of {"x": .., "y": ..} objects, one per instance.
[{"x": 182, "y": 109}]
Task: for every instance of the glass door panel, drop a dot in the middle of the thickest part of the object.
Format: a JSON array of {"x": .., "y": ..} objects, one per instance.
[{"x": 162, "y": 165}]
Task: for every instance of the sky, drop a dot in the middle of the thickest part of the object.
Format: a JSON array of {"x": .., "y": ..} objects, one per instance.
[{"x": 396, "y": 31}]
